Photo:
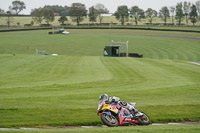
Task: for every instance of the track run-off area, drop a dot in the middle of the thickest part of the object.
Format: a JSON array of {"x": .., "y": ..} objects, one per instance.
[{"x": 63, "y": 91}]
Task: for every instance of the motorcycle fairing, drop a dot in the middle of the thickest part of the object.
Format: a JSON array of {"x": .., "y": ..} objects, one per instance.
[
  {"x": 107, "y": 113},
  {"x": 123, "y": 118}
]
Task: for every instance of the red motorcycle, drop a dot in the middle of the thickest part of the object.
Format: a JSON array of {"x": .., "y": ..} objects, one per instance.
[{"x": 115, "y": 115}]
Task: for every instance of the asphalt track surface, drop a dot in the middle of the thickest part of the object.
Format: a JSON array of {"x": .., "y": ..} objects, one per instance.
[
  {"x": 103, "y": 126},
  {"x": 169, "y": 36},
  {"x": 179, "y": 37}
]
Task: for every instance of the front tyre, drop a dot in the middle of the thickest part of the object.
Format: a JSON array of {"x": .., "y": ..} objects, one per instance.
[
  {"x": 110, "y": 121},
  {"x": 143, "y": 120}
]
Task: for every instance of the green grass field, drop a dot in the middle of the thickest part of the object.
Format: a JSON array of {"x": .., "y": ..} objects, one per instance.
[{"x": 44, "y": 90}]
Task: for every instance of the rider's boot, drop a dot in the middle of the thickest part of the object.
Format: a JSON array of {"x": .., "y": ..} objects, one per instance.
[
  {"x": 137, "y": 113},
  {"x": 132, "y": 114}
]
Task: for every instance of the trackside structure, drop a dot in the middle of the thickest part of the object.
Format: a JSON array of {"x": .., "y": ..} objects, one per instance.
[
  {"x": 115, "y": 49},
  {"x": 59, "y": 31},
  {"x": 119, "y": 49}
]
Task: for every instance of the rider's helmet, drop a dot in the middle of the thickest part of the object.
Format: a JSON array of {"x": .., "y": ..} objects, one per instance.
[
  {"x": 114, "y": 99},
  {"x": 103, "y": 97}
]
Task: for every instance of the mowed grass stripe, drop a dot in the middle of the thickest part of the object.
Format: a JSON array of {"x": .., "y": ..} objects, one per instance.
[
  {"x": 132, "y": 71},
  {"x": 91, "y": 43},
  {"x": 175, "y": 49},
  {"x": 62, "y": 70}
]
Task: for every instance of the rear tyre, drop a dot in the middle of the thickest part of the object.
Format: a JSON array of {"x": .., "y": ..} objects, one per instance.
[
  {"x": 110, "y": 121},
  {"x": 144, "y": 120}
]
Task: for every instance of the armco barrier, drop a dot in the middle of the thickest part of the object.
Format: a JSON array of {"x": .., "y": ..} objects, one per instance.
[{"x": 26, "y": 29}]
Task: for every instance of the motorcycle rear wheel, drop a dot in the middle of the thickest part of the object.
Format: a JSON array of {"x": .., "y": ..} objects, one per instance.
[
  {"x": 110, "y": 121},
  {"x": 144, "y": 119}
]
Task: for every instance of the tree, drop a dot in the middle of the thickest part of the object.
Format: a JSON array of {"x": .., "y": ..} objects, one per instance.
[
  {"x": 193, "y": 14},
  {"x": 198, "y": 7},
  {"x": 65, "y": 11},
  {"x": 92, "y": 14},
  {"x": 186, "y": 9},
  {"x": 101, "y": 9},
  {"x": 18, "y": 6},
  {"x": 150, "y": 14},
  {"x": 48, "y": 15},
  {"x": 62, "y": 20},
  {"x": 172, "y": 11},
  {"x": 164, "y": 14},
  {"x": 77, "y": 12},
  {"x": 179, "y": 12},
  {"x": 37, "y": 15},
  {"x": 40, "y": 14},
  {"x": 137, "y": 13},
  {"x": 10, "y": 10},
  {"x": 61, "y": 11},
  {"x": 32, "y": 23},
  {"x": 122, "y": 14},
  {"x": 1, "y": 12},
  {"x": 9, "y": 19}
]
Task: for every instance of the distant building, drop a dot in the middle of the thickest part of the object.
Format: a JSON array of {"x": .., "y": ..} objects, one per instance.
[
  {"x": 106, "y": 15},
  {"x": 56, "y": 14}
]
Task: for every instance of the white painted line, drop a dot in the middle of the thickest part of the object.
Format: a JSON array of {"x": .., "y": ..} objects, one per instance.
[
  {"x": 90, "y": 127},
  {"x": 159, "y": 124},
  {"x": 29, "y": 128},
  {"x": 94, "y": 126},
  {"x": 7, "y": 129},
  {"x": 176, "y": 123},
  {"x": 196, "y": 63}
]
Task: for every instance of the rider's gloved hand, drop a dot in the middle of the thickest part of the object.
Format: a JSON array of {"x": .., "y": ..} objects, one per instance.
[{"x": 122, "y": 103}]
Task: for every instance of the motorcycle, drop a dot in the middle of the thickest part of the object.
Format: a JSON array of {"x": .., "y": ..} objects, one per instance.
[{"x": 114, "y": 115}]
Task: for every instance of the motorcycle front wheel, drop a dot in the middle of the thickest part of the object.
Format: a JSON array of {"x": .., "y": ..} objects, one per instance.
[
  {"x": 110, "y": 121},
  {"x": 143, "y": 120}
]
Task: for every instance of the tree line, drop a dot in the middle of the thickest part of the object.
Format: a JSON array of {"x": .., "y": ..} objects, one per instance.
[
  {"x": 78, "y": 12},
  {"x": 182, "y": 10}
]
